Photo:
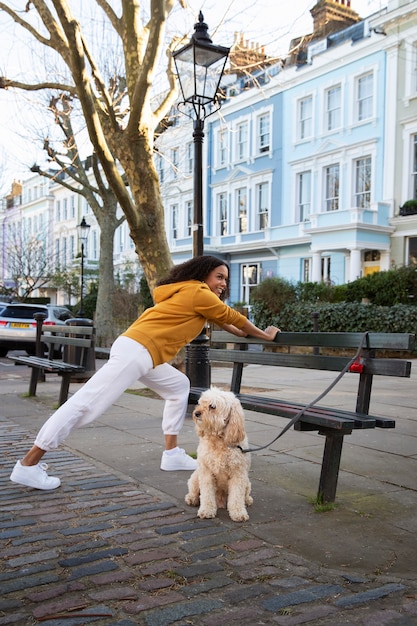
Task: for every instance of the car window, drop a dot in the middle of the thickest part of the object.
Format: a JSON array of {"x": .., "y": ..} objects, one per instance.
[{"x": 21, "y": 311}]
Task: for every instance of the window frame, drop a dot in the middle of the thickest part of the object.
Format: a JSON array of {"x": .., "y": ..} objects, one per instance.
[
  {"x": 304, "y": 134},
  {"x": 364, "y": 101},
  {"x": 262, "y": 213},
  {"x": 332, "y": 111},
  {"x": 222, "y": 213},
  {"x": 245, "y": 283},
  {"x": 365, "y": 194},
  {"x": 331, "y": 202},
  {"x": 302, "y": 214}
]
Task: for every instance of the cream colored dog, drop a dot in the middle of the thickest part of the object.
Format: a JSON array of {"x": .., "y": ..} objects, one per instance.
[{"x": 221, "y": 478}]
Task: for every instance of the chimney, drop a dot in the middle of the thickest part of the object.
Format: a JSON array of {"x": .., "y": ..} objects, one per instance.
[{"x": 332, "y": 15}]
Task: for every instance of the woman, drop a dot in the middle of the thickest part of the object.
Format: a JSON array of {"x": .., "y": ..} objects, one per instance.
[{"x": 190, "y": 295}]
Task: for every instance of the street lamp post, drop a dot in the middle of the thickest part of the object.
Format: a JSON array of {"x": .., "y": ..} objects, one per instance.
[
  {"x": 83, "y": 229},
  {"x": 200, "y": 65}
]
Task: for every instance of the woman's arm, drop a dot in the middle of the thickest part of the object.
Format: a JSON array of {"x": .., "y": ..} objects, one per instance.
[{"x": 252, "y": 330}]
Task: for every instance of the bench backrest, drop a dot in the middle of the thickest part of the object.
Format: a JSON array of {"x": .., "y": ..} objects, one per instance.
[
  {"x": 249, "y": 350},
  {"x": 82, "y": 337}
]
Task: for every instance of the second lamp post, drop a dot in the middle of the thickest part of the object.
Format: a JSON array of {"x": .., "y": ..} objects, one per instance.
[{"x": 83, "y": 229}]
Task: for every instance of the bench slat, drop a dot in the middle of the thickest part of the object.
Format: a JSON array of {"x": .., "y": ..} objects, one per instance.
[
  {"x": 47, "y": 364},
  {"x": 68, "y": 330},
  {"x": 383, "y": 367},
  {"x": 66, "y": 341},
  {"x": 382, "y": 341}
]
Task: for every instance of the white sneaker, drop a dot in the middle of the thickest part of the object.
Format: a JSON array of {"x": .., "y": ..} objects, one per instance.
[
  {"x": 178, "y": 460},
  {"x": 34, "y": 476}
]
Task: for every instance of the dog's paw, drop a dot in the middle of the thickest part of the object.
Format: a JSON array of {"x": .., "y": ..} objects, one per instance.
[
  {"x": 206, "y": 513},
  {"x": 248, "y": 500},
  {"x": 239, "y": 516},
  {"x": 192, "y": 500}
]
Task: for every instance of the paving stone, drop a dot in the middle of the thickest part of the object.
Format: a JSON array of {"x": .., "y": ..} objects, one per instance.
[
  {"x": 199, "y": 569},
  {"x": 165, "y": 617},
  {"x": 92, "y": 556},
  {"x": 315, "y": 592},
  {"x": 45, "y": 555},
  {"x": 369, "y": 595}
]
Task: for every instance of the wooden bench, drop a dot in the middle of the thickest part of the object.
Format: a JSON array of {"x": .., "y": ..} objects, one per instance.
[
  {"x": 74, "y": 340},
  {"x": 316, "y": 353}
]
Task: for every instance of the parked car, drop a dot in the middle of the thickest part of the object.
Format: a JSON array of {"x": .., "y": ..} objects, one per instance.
[{"x": 18, "y": 326}]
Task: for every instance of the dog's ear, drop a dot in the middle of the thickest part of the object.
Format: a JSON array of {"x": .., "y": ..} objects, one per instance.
[{"x": 235, "y": 428}]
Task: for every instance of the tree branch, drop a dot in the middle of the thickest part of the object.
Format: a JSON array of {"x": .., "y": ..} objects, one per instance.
[
  {"x": 5, "y": 83},
  {"x": 16, "y": 18},
  {"x": 115, "y": 21},
  {"x": 162, "y": 110},
  {"x": 141, "y": 94}
]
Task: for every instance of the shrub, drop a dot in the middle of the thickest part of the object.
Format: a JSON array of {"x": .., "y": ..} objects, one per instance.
[
  {"x": 342, "y": 317},
  {"x": 273, "y": 293}
]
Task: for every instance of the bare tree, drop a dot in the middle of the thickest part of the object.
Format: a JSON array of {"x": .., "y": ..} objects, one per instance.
[
  {"x": 99, "y": 196},
  {"x": 28, "y": 264},
  {"x": 120, "y": 114}
]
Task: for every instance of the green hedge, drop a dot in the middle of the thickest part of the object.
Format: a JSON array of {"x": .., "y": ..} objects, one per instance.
[{"x": 339, "y": 317}]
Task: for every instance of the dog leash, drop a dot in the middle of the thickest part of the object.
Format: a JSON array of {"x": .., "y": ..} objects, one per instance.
[{"x": 355, "y": 359}]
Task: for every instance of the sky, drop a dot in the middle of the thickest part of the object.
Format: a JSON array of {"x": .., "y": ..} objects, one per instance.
[{"x": 269, "y": 23}]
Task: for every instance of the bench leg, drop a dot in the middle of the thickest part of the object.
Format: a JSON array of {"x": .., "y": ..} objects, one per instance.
[
  {"x": 63, "y": 394},
  {"x": 34, "y": 376},
  {"x": 330, "y": 466}
]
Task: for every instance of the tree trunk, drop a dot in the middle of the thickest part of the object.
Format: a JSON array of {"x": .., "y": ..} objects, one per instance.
[{"x": 105, "y": 333}]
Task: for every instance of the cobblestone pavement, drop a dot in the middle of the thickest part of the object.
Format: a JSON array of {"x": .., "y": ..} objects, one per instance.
[
  {"x": 103, "y": 550},
  {"x": 112, "y": 548}
]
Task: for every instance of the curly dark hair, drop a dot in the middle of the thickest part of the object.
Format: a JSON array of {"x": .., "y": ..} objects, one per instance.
[{"x": 197, "y": 268}]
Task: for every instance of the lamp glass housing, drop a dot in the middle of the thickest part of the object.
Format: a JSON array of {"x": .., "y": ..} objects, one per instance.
[
  {"x": 200, "y": 68},
  {"x": 83, "y": 230}
]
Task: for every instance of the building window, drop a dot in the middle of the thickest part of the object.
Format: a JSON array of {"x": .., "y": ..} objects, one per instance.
[
  {"x": 332, "y": 187},
  {"x": 174, "y": 162},
  {"x": 414, "y": 69},
  {"x": 263, "y": 133},
  {"x": 363, "y": 183},
  {"x": 325, "y": 270},
  {"x": 242, "y": 209},
  {"x": 174, "y": 221},
  {"x": 95, "y": 242},
  {"x": 72, "y": 207},
  {"x": 305, "y": 117},
  {"x": 242, "y": 141},
  {"x": 221, "y": 147},
  {"x": 64, "y": 252},
  {"x": 262, "y": 205},
  {"x": 306, "y": 270},
  {"x": 190, "y": 157},
  {"x": 222, "y": 213},
  {"x": 250, "y": 275},
  {"x": 303, "y": 195},
  {"x": 58, "y": 211},
  {"x": 364, "y": 96},
  {"x": 161, "y": 168},
  {"x": 71, "y": 247},
  {"x": 65, "y": 209},
  {"x": 412, "y": 251},
  {"x": 333, "y": 108},
  {"x": 189, "y": 216},
  {"x": 414, "y": 172}
]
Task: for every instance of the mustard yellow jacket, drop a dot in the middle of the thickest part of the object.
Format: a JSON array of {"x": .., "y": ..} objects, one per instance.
[{"x": 180, "y": 312}]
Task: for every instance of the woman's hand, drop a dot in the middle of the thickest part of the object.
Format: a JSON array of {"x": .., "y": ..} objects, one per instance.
[{"x": 272, "y": 332}]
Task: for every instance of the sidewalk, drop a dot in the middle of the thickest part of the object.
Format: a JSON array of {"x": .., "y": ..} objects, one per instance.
[{"x": 117, "y": 545}]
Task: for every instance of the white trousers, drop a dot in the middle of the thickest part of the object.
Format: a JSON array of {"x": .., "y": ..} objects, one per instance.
[{"x": 129, "y": 362}]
